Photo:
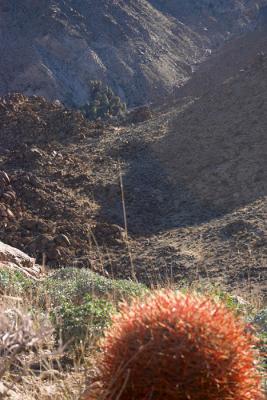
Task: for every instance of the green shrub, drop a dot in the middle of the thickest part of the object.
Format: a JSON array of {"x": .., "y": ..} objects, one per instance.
[
  {"x": 81, "y": 323},
  {"x": 14, "y": 282},
  {"x": 81, "y": 302},
  {"x": 102, "y": 102},
  {"x": 70, "y": 284}
]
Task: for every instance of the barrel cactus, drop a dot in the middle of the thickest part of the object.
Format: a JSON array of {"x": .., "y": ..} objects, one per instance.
[{"x": 173, "y": 346}]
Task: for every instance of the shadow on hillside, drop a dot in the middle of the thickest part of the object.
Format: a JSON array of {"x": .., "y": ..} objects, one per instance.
[
  {"x": 152, "y": 203},
  {"x": 155, "y": 203}
]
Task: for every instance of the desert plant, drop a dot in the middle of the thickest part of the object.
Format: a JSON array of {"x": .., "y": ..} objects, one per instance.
[
  {"x": 14, "y": 282},
  {"x": 18, "y": 334},
  {"x": 177, "y": 346},
  {"x": 102, "y": 102},
  {"x": 81, "y": 323},
  {"x": 72, "y": 285}
]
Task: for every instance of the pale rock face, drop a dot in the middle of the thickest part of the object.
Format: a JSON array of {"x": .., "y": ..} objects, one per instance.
[
  {"x": 56, "y": 48},
  {"x": 143, "y": 49},
  {"x": 14, "y": 257}
]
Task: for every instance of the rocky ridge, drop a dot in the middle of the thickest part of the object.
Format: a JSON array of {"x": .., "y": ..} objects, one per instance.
[
  {"x": 64, "y": 45},
  {"x": 142, "y": 49}
]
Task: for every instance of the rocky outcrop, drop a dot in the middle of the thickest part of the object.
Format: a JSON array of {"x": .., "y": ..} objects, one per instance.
[
  {"x": 52, "y": 121},
  {"x": 47, "y": 207},
  {"x": 13, "y": 258}
]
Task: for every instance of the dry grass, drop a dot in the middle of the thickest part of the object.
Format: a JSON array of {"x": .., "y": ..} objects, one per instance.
[{"x": 34, "y": 364}]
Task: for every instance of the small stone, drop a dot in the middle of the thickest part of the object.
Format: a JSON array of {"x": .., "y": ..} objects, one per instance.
[
  {"x": 5, "y": 177},
  {"x": 62, "y": 240},
  {"x": 51, "y": 374}
]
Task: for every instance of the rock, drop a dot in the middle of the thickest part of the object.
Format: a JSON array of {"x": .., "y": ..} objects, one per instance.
[
  {"x": 9, "y": 197},
  {"x": 53, "y": 253},
  {"x": 62, "y": 240},
  {"x": 4, "y": 177},
  {"x": 236, "y": 227},
  {"x": 107, "y": 234},
  {"x": 41, "y": 243},
  {"x": 45, "y": 246},
  {"x": 3, "y": 213},
  {"x": 50, "y": 123},
  {"x": 3, "y": 389},
  {"x": 30, "y": 224},
  {"x": 36, "y": 225},
  {"x": 43, "y": 227},
  {"x": 139, "y": 114},
  {"x": 10, "y": 214},
  {"x": 2, "y": 184},
  {"x": 11, "y": 255}
]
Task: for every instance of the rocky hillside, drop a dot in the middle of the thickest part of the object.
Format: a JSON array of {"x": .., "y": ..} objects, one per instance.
[
  {"x": 216, "y": 147},
  {"x": 235, "y": 56},
  {"x": 61, "y": 191},
  {"x": 216, "y": 20},
  {"x": 192, "y": 178},
  {"x": 142, "y": 49},
  {"x": 55, "y": 48}
]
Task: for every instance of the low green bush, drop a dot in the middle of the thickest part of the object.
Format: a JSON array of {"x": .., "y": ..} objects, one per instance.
[
  {"x": 70, "y": 284},
  {"x": 81, "y": 302},
  {"x": 102, "y": 102},
  {"x": 82, "y": 323},
  {"x": 14, "y": 282}
]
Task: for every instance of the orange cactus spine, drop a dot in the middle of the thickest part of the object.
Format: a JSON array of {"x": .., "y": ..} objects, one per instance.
[{"x": 178, "y": 347}]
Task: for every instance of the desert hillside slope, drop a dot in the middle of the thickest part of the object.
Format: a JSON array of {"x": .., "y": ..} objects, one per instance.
[
  {"x": 215, "y": 19},
  {"x": 142, "y": 49},
  {"x": 55, "y": 48},
  {"x": 231, "y": 59},
  {"x": 193, "y": 178},
  {"x": 217, "y": 147}
]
